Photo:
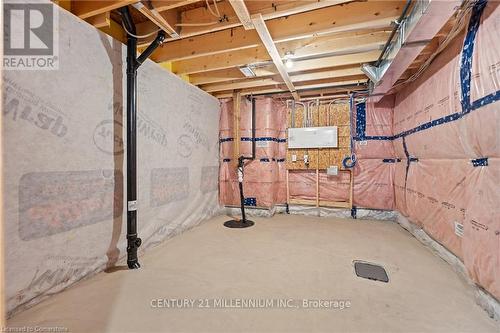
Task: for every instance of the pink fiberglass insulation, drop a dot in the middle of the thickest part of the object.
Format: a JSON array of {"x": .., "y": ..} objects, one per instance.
[
  {"x": 264, "y": 177},
  {"x": 375, "y": 166},
  {"x": 450, "y": 186},
  {"x": 431, "y": 152}
]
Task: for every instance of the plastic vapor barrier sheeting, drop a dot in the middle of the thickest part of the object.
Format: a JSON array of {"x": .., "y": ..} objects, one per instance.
[{"x": 65, "y": 166}]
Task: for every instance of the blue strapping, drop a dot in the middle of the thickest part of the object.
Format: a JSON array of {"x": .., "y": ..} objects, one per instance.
[
  {"x": 467, "y": 51},
  {"x": 256, "y": 139},
  {"x": 407, "y": 154},
  {"x": 465, "y": 81},
  {"x": 360, "y": 120},
  {"x": 250, "y": 202},
  {"x": 391, "y": 160},
  {"x": 483, "y": 161}
]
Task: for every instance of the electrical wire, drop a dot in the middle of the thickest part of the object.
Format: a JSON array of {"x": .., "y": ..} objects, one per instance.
[
  {"x": 216, "y": 8},
  {"x": 210, "y": 9},
  {"x": 457, "y": 28},
  {"x": 216, "y": 14},
  {"x": 139, "y": 36}
]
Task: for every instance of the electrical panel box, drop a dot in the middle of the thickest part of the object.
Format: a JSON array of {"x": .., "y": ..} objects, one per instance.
[{"x": 313, "y": 137}]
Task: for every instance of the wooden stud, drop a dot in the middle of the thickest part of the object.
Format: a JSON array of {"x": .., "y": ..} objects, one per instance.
[
  {"x": 317, "y": 183},
  {"x": 287, "y": 186}
]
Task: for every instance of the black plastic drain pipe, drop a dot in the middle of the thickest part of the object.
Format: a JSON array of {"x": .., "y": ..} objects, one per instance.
[
  {"x": 133, "y": 63},
  {"x": 244, "y": 223}
]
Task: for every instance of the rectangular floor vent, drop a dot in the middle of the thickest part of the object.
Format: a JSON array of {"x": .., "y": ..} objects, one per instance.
[{"x": 370, "y": 271}]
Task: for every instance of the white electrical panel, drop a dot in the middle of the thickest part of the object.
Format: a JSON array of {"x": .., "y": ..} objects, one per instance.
[{"x": 313, "y": 137}]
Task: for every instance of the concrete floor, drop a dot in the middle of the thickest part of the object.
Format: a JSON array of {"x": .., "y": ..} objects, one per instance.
[{"x": 285, "y": 257}]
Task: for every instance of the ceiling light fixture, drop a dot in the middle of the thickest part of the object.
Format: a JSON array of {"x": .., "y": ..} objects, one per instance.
[
  {"x": 288, "y": 63},
  {"x": 247, "y": 71}
]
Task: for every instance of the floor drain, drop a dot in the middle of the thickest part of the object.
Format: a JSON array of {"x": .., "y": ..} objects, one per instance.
[{"x": 370, "y": 271}]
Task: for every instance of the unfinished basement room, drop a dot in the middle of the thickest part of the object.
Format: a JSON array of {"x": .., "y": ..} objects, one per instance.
[{"x": 250, "y": 166}]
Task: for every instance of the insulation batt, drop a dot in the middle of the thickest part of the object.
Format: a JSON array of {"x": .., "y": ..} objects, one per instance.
[{"x": 443, "y": 176}]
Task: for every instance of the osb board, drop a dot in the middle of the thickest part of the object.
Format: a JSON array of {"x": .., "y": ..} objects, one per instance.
[{"x": 333, "y": 115}]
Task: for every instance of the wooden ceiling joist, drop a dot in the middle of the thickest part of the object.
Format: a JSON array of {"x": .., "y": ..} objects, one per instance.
[
  {"x": 348, "y": 17},
  {"x": 157, "y": 18},
  {"x": 191, "y": 19},
  {"x": 241, "y": 84},
  {"x": 261, "y": 28},
  {"x": 241, "y": 11},
  {"x": 344, "y": 74},
  {"x": 100, "y": 21},
  {"x": 282, "y": 88},
  {"x": 326, "y": 40},
  {"x": 332, "y": 46},
  {"x": 216, "y": 76},
  {"x": 85, "y": 9},
  {"x": 163, "y": 5}
]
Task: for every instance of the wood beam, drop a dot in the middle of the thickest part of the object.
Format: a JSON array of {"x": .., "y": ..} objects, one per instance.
[
  {"x": 154, "y": 16},
  {"x": 324, "y": 83},
  {"x": 100, "y": 21},
  {"x": 303, "y": 89},
  {"x": 240, "y": 84},
  {"x": 329, "y": 20},
  {"x": 115, "y": 30},
  {"x": 234, "y": 74},
  {"x": 216, "y": 76},
  {"x": 299, "y": 48},
  {"x": 332, "y": 75},
  {"x": 268, "y": 9},
  {"x": 267, "y": 40},
  {"x": 333, "y": 61},
  {"x": 85, "y": 9},
  {"x": 241, "y": 11},
  {"x": 222, "y": 60},
  {"x": 66, "y": 4},
  {"x": 162, "y": 5}
]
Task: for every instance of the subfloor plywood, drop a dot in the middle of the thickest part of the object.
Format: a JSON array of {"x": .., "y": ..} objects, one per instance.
[{"x": 284, "y": 257}]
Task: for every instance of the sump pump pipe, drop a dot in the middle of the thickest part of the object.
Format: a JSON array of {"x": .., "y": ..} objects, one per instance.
[
  {"x": 133, "y": 63},
  {"x": 244, "y": 223}
]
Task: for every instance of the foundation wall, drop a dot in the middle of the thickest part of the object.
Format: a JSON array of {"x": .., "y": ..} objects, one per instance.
[
  {"x": 65, "y": 167},
  {"x": 446, "y": 135}
]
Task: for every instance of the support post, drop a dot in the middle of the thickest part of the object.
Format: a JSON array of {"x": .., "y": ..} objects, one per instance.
[{"x": 133, "y": 63}]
